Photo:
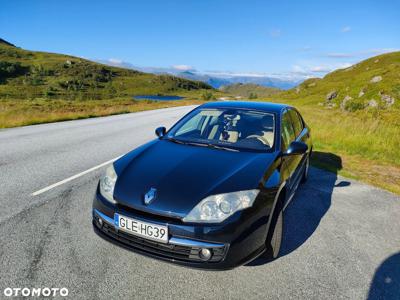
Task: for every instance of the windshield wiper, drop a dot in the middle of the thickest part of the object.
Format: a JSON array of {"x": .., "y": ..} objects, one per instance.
[
  {"x": 208, "y": 145},
  {"x": 212, "y": 146},
  {"x": 176, "y": 141}
]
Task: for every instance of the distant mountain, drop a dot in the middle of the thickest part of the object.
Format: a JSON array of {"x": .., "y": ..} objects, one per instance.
[
  {"x": 30, "y": 74},
  {"x": 249, "y": 90},
  {"x": 214, "y": 79},
  {"x": 371, "y": 84},
  {"x": 218, "y": 80}
]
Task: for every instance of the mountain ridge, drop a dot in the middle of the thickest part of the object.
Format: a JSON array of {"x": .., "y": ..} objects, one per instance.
[
  {"x": 215, "y": 79},
  {"x": 373, "y": 83},
  {"x": 30, "y": 74}
]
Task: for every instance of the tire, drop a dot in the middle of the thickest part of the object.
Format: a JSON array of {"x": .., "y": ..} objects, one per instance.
[
  {"x": 276, "y": 239},
  {"x": 306, "y": 168}
]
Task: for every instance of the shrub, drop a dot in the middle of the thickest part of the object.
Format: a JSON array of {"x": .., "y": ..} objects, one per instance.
[
  {"x": 253, "y": 96},
  {"x": 354, "y": 105},
  {"x": 208, "y": 96},
  {"x": 11, "y": 69}
]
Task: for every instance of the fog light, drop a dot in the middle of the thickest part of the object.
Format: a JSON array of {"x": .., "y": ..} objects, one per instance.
[
  {"x": 205, "y": 254},
  {"x": 100, "y": 222}
]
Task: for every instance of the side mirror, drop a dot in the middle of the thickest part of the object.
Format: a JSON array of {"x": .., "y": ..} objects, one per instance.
[
  {"x": 160, "y": 131},
  {"x": 296, "y": 148}
]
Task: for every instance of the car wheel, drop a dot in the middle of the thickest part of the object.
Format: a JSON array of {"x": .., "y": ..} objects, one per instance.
[
  {"x": 306, "y": 167},
  {"x": 276, "y": 239}
]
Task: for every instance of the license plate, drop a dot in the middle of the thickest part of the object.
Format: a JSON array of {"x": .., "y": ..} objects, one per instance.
[{"x": 146, "y": 230}]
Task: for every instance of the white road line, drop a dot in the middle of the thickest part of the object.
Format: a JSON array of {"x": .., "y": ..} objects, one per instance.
[{"x": 74, "y": 177}]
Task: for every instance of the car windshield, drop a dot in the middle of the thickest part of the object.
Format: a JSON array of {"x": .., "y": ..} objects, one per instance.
[{"x": 226, "y": 128}]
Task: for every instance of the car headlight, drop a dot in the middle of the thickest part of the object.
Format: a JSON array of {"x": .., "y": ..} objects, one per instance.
[
  {"x": 216, "y": 208},
  {"x": 107, "y": 183}
]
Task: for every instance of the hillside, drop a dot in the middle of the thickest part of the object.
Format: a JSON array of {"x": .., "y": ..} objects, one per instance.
[
  {"x": 354, "y": 117},
  {"x": 373, "y": 84},
  {"x": 30, "y": 74},
  {"x": 249, "y": 90}
]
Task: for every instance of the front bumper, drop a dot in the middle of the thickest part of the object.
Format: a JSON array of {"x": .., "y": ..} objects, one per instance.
[{"x": 231, "y": 244}]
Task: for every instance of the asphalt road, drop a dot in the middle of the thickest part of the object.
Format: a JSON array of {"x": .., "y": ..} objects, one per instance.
[{"x": 342, "y": 238}]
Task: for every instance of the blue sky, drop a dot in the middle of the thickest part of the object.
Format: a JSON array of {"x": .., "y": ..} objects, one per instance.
[{"x": 293, "y": 38}]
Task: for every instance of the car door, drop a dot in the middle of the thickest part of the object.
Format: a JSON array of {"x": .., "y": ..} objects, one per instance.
[
  {"x": 290, "y": 162},
  {"x": 300, "y": 136}
]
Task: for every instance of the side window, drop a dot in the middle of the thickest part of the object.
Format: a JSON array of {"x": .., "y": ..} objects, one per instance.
[
  {"x": 288, "y": 134},
  {"x": 297, "y": 122},
  {"x": 191, "y": 125}
]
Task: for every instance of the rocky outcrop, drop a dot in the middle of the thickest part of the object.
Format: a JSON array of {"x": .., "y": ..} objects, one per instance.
[
  {"x": 372, "y": 103},
  {"x": 387, "y": 100},
  {"x": 376, "y": 79},
  {"x": 345, "y": 100},
  {"x": 332, "y": 95}
]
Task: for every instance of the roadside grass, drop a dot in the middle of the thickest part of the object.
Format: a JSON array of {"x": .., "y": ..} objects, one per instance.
[
  {"x": 368, "y": 142},
  {"x": 15, "y": 113}
]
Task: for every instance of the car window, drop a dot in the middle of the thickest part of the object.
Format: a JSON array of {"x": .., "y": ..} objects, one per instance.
[
  {"x": 228, "y": 127},
  {"x": 192, "y": 124},
  {"x": 297, "y": 122},
  {"x": 288, "y": 134}
]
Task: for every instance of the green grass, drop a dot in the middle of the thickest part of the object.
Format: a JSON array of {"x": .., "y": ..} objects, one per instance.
[
  {"x": 249, "y": 90},
  {"x": 15, "y": 113}
]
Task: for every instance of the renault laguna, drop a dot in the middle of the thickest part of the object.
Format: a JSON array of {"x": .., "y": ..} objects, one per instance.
[{"x": 211, "y": 191}]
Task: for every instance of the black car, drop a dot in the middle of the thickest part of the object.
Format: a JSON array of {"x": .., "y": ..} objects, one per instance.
[{"x": 211, "y": 191}]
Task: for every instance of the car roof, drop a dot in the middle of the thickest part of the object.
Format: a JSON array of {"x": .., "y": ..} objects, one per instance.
[{"x": 264, "y": 106}]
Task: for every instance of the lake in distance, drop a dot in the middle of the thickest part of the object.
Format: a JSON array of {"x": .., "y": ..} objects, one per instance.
[{"x": 157, "y": 98}]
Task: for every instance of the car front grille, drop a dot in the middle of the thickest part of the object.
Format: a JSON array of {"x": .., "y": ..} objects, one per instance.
[{"x": 167, "y": 251}]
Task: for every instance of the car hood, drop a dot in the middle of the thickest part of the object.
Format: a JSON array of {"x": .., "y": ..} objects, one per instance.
[{"x": 183, "y": 175}]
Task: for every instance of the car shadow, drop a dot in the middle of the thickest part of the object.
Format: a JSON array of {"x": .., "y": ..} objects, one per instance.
[
  {"x": 310, "y": 204},
  {"x": 386, "y": 281}
]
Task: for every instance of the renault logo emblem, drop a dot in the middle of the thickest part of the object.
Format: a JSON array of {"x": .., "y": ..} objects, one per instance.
[{"x": 150, "y": 196}]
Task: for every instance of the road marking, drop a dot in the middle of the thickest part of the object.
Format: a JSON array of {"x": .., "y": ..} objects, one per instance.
[{"x": 74, "y": 177}]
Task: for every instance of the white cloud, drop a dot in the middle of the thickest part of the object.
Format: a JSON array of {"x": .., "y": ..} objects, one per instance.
[
  {"x": 346, "y": 29},
  {"x": 183, "y": 67},
  {"x": 296, "y": 69},
  {"x": 311, "y": 70},
  {"x": 115, "y": 61},
  {"x": 276, "y": 32},
  {"x": 320, "y": 69}
]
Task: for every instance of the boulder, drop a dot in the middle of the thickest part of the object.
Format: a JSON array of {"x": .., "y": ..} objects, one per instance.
[
  {"x": 372, "y": 103},
  {"x": 332, "y": 95},
  {"x": 376, "y": 79},
  {"x": 345, "y": 100},
  {"x": 388, "y": 100}
]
